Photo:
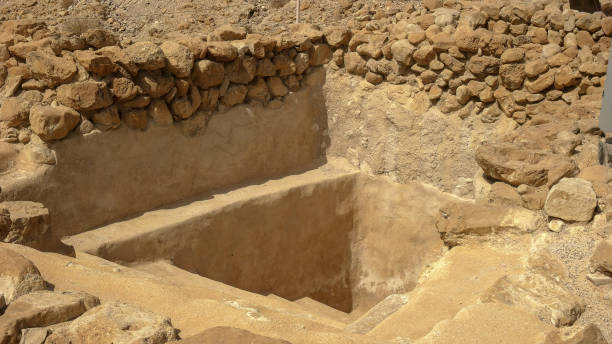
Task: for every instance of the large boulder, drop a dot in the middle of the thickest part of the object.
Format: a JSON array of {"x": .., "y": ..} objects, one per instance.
[
  {"x": 50, "y": 69},
  {"x": 542, "y": 83},
  {"x": 115, "y": 323},
  {"x": 18, "y": 276},
  {"x": 541, "y": 295},
  {"x": 461, "y": 219},
  {"x": 53, "y": 123},
  {"x": 185, "y": 106},
  {"x": 230, "y": 335},
  {"x": 180, "y": 58},
  {"x": 40, "y": 309},
  {"x": 572, "y": 199},
  {"x": 146, "y": 55},
  {"x": 424, "y": 55},
  {"x": 516, "y": 165},
  {"x": 85, "y": 95}
]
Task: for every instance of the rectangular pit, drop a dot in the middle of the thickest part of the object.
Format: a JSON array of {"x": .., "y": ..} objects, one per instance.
[{"x": 329, "y": 234}]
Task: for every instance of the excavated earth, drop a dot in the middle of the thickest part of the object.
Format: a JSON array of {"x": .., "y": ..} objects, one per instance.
[{"x": 384, "y": 172}]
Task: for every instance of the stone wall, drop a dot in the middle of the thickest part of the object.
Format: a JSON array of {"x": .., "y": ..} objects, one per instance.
[{"x": 492, "y": 58}]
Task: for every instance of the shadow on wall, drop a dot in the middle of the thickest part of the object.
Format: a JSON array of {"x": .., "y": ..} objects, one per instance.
[
  {"x": 113, "y": 175},
  {"x": 339, "y": 237}
]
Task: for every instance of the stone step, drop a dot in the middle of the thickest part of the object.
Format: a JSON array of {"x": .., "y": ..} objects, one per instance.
[
  {"x": 180, "y": 277},
  {"x": 315, "y": 307},
  {"x": 377, "y": 314},
  {"x": 191, "y": 308},
  {"x": 489, "y": 323},
  {"x": 457, "y": 280}
]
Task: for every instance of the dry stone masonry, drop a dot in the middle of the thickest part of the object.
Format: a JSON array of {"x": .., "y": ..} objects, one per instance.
[{"x": 490, "y": 59}]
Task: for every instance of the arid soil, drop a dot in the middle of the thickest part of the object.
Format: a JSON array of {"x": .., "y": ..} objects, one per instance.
[{"x": 134, "y": 20}]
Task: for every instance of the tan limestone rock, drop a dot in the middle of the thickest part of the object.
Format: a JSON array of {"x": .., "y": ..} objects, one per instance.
[
  {"x": 40, "y": 309},
  {"x": 146, "y": 55},
  {"x": 53, "y": 123},
  {"x": 208, "y": 74},
  {"x": 99, "y": 38},
  {"x": 50, "y": 69},
  {"x": 571, "y": 199},
  {"x": 179, "y": 58},
  {"x": 85, "y": 95},
  {"x": 107, "y": 118},
  {"x": 601, "y": 260},
  {"x": 95, "y": 63},
  {"x": 14, "y": 112},
  {"x": 18, "y": 276},
  {"x": 159, "y": 112},
  {"x": 518, "y": 166},
  {"x": 156, "y": 83},
  {"x": 227, "y": 33}
]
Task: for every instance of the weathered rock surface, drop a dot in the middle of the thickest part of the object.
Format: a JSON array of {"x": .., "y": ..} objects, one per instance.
[
  {"x": 29, "y": 223},
  {"x": 53, "y": 122},
  {"x": 540, "y": 295},
  {"x": 518, "y": 166},
  {"x": 96, "y": 63},
  {"x": 180, "y": 58},
  {"x": 461, "y": 219},
  {"x": 146, "y": 56},
  {"x": 230, "y": 335},
  {"x": 40, "y": 309},
  {"x": 601, "y": 260},
  {"x": 208, "y": 74},
  {"x": 116, "y": 323},
  {"x": 18, "y": 276},
  {"x": 51, "y": 70},
  {"x": 572, "y": 199},
  {"x": 14, "y": 112},
  {"x": 85, "y": 95}
]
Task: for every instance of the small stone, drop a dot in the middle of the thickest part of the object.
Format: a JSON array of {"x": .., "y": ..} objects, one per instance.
[
  {"x": 374, "y": 78},
  {"x": 599, "y": 279},
  {"x": 556, "y": 226}
]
